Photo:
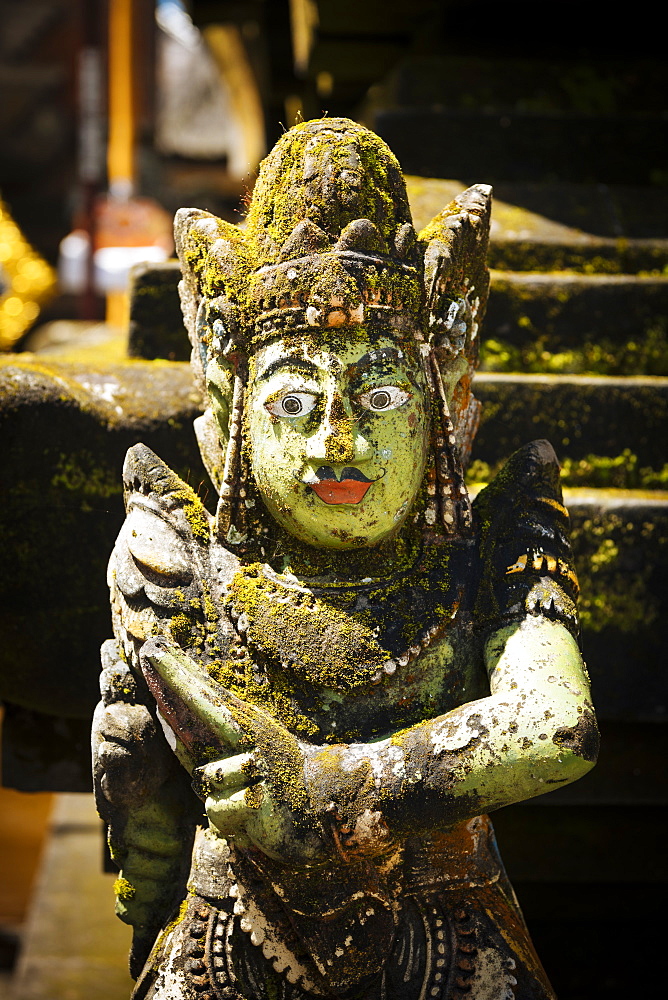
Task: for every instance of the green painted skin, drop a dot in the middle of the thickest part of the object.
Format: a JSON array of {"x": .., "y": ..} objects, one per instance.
[{"x": 341, "y": 424}]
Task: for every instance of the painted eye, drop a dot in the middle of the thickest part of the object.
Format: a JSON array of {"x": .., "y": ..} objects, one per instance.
[
  {"x": 384, "y": 397},
  {"x": 293, "y": 404}
]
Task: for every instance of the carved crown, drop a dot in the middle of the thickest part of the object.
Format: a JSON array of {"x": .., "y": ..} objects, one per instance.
[{"x": 329, "y": 243}]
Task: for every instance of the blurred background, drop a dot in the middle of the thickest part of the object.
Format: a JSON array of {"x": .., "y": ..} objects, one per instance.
[{"x": 115, "y": 113}]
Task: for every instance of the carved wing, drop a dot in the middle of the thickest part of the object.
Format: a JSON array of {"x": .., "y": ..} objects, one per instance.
[
  {"x": 457, "y": 286},
  {"x": 160, "y": 577}
]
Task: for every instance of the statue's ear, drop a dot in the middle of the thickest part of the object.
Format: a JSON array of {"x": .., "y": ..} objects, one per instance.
[
  {"x": 219, "y": 386},
  {"x": 211, "y": 250},
  {"x": 456, "y": 286},
  {"x": 212, "y": 429}
]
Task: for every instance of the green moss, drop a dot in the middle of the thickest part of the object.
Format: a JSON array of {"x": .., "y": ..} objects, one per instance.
[
  {"x": 124, "y": 890},
  {"x": 352, "y": 176},
  {"x": 616, "y": 559},
  {"x": 594, "y": 257},
  {"x": 295, "y": 183},
  {"x": 181, "y": 629},
  {"x": 647, "y": 355},
  {"x": 195, "y": 513},
  {"x": 331, "y": 648},
  {"x": 619, "y": 472},
  {"x": 600, "y": 471},
  {"x": 240, "y": 677},
  {"x": 169, "y": 927},
  {"x": 81, "y": 472}
]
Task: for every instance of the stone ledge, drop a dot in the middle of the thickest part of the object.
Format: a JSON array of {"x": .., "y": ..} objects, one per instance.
[
  {"x": 591, "y": 228},
  {"x": 65, "y": 431},
  {"x": 580, "y": 415},
  {"x": 567, "y": 309}
]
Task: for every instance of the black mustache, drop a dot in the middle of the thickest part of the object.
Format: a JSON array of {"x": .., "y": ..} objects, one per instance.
[{"x": 325, "y": 472}]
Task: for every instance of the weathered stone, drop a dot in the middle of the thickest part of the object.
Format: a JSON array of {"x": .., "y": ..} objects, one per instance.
[
  {"x": 580, "y": 415},
  {"x": 586, "y": 254},
  {"x": 567, "y": 310},
  {"x": 44, "y": 405},
  {"x": 620, "y": 547},
  {"x": 601, "y": 320},
  {"x": 65, "y": 430},
  {"x": 156, "y": 324},
  {"x": 588, "y": 228},
  {"x": 324, "y": 607}
]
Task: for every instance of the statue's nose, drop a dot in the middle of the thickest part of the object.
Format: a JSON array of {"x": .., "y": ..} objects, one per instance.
[{"x": 336, "y": 441}]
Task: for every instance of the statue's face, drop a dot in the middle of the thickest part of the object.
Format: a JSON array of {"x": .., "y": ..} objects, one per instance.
[{"x": 338, "y": 437}]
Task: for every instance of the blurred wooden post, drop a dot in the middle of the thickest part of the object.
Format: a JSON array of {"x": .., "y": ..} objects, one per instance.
[{"x": 120, "y": 150}]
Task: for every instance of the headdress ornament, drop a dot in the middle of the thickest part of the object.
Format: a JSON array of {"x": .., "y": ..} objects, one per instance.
[{"x": 329, "y": 243}]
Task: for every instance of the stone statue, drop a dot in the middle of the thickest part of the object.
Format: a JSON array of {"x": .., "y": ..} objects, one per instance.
[{"x": 314, "y": 697}]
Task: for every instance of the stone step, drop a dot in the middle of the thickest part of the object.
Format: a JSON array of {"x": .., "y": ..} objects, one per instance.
[
  {"x": 499, "y": 80},
  {"x": 64, "y": 432},
  {"x": 568, "y": 309},
  {"x": 591, "y": 228},
  {"x": 606, "y": 324},
  {"x": 503, "y": 83},
  {"x": 156, "y": 323},
  {"x": 620, "y": 552},
  {"x": 620, "y": 548},
  {"x": 526, "y": 145},
  {"x": 581, "y": 415},
  {"x": 74, "y": 947}
]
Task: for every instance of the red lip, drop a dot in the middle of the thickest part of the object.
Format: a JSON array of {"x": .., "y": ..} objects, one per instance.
[{"x": 347, "y": 491}]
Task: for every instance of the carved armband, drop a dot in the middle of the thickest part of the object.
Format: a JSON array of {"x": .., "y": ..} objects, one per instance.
[{"x": 526, "y": 562}]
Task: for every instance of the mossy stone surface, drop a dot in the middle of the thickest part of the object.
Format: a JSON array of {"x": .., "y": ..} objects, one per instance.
[
  {"x": 568, "y": 309},
  {"x": 582, "y": 228},
  {"x": 156, "y": 323},
  {"x": 579, "y": 415},
  {"x": 620, "y": 547},
  {"x": 65, "y": 430}
]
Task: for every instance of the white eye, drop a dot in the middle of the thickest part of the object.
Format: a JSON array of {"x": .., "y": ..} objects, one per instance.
[
  {"x": 384, "y": 397},
  {"x": 293, "y": 404}
]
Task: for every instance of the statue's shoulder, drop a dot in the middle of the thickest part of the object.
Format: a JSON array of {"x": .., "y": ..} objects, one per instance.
[
  {"x": 167, "y": 574},
  {"x": 525, "y": 554}
]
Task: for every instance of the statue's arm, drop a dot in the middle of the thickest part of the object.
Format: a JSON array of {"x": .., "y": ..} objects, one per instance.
[{"x": 535, "y": 731}]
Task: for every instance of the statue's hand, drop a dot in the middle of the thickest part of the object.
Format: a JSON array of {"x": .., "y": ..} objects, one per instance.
[
  {"x": 247, "y": 808},
  {"x": 128, "y": 755}
]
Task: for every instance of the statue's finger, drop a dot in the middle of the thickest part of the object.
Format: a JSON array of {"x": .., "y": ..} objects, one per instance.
[
  {"x": 225, "y": 775},
  {"x": 125, "y": 723},
  {"x": 229, "y": 814}
]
